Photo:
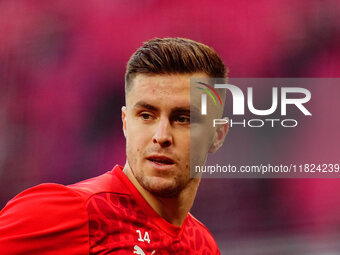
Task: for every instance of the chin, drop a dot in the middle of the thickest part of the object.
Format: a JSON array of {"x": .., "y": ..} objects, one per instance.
[
  {"x": 163, "y": 188},
  {"x": 165, "y": 192}
]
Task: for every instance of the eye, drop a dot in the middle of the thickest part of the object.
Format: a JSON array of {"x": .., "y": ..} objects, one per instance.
[
  {"x": 146, "y": 116},
  {"x": 184, "y": 119}
]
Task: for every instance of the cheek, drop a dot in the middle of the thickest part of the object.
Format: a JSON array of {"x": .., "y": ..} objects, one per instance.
[
  {"x": 133, "y": 151},
  {"x": 134, "y": 144},
  {"x": 137, "y": 138},
  {"x": 201, "y": 141},
  {"x": 201, "y": 146},
  {"x": 183, "y": 140},
  {"x": 201, "y": 136}
]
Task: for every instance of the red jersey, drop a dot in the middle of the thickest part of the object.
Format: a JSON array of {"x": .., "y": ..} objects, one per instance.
[{"x": 102, "y": 215}]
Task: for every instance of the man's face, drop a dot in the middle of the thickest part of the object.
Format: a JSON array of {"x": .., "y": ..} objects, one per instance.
[{"x": 156, "y": 124}]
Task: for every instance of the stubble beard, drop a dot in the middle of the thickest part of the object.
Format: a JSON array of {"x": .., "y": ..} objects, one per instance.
[{"x": 171, "y": 190}]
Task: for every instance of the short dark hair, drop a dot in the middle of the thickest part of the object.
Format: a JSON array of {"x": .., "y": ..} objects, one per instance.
[{"x": 174, "y": 56}]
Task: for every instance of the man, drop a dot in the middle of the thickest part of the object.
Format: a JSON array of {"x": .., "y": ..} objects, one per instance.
[{"x": 143, "y": 207}]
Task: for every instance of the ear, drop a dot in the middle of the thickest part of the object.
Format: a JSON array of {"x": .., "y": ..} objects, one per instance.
[
  {"x": 124, "y": 119},
  {"x": 220, "y": 134}
]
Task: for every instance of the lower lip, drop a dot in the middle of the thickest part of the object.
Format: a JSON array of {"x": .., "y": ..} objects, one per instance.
[{"x": 160, "y": 166}]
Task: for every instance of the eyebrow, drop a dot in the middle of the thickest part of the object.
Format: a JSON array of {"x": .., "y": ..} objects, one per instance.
[
  {"x": 184, "y": 110},
  {"x": 179, "y": 110},
  {"x": 142, "y": 104}
]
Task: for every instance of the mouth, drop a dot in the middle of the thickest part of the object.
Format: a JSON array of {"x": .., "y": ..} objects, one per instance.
[{"x": 160, "y": 160}]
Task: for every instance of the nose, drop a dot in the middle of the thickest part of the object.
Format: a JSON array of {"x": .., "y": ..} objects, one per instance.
[{"x": 163, "y": 135}]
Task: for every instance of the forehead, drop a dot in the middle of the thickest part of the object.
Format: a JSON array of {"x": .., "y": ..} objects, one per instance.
[{"x": 164, "y": 88}]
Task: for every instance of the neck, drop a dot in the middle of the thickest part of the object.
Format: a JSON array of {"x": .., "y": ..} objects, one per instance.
[{"x": 175, "y": 209}]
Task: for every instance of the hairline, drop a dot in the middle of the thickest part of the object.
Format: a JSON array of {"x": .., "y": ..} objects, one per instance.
[{"x": 133, "y": 77}]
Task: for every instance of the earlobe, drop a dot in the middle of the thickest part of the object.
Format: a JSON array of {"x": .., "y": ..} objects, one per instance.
[
  {"x": 124, "y": 120},
  {"x": 220, "y": 134}
]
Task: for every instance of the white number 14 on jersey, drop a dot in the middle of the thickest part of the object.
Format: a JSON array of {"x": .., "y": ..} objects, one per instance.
[{"x": 146, "y": 237}]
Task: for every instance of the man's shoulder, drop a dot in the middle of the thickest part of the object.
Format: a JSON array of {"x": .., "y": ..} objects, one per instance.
[
  {"x": 53, "y": 195},
  {"x": 37, "y": 218},
  {"x": 48, "y": 215},
  {"x": 109, "y": 182},
  {"x": 40, "y": 198}
]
